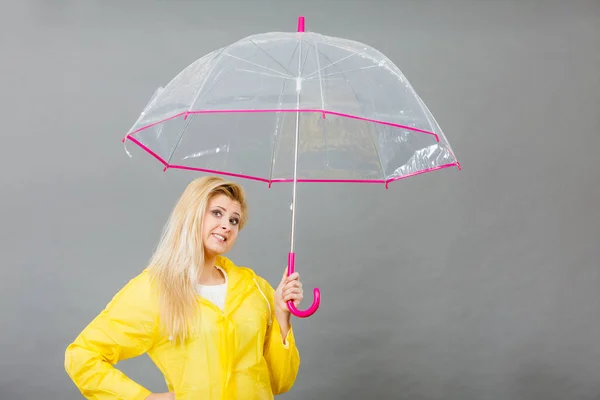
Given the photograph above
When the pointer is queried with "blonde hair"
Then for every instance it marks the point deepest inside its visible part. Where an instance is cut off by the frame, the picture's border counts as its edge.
(179, 256)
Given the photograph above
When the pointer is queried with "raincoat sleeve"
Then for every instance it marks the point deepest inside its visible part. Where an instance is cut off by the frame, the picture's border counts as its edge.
(124, 329)
(282, 356)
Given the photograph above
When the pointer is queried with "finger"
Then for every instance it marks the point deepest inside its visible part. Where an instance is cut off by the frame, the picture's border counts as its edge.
(293, 277)
(292, 291)
(288, 288)
(291, 287)
(292, 284)
(294, 297)
(296, 283)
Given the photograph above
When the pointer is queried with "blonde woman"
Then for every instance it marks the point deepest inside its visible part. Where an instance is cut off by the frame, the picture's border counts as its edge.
(215, 330)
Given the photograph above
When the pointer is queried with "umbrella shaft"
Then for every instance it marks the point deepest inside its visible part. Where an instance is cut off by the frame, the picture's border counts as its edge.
(294, 184)
(298, 90)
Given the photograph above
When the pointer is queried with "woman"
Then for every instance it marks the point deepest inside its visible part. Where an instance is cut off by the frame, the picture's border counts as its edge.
(215, 330)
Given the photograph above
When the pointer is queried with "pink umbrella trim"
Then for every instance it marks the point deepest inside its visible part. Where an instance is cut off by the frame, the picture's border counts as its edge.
(280, 180)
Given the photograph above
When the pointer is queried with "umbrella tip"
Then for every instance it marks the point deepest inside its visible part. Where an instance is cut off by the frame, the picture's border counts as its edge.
(300, 24)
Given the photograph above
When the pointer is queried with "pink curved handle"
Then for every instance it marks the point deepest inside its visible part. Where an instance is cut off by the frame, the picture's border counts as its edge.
(317, 294)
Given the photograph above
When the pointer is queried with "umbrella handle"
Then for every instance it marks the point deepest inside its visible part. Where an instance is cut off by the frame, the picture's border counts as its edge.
(317, 294)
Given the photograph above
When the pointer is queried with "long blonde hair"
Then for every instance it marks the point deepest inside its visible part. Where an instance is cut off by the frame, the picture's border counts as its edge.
(179, 256)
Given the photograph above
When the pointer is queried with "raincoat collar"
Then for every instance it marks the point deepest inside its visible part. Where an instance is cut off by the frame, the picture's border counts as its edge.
(240, 282)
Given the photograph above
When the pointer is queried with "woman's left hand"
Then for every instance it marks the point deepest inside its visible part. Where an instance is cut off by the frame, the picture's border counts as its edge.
(290, 288)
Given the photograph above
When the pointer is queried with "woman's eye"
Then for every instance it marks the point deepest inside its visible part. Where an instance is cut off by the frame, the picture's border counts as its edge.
(217, 213)
(234, 221)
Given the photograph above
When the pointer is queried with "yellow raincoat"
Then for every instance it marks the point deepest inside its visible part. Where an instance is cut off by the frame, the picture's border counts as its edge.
(237, 354)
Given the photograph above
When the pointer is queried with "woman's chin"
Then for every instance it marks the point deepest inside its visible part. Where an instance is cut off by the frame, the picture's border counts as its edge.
(213, 251)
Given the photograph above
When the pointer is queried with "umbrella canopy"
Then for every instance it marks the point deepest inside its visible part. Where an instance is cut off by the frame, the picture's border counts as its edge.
(293, 107)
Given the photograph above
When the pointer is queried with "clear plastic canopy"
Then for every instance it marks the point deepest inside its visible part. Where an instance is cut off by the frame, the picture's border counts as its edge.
(237, 110)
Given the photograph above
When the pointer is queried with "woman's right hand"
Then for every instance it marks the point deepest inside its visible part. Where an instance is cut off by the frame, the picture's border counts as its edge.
(161, 396)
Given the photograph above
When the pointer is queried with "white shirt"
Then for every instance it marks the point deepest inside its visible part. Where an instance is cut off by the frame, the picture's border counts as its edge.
(214, 293)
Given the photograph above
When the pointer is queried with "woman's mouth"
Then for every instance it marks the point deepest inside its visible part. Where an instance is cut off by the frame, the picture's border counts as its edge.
(220, 238)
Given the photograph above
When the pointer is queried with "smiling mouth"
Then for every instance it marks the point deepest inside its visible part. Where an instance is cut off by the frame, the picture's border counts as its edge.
(220, 238)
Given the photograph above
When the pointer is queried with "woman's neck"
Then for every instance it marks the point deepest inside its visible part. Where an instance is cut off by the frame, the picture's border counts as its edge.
(209, 263)
(210, 275)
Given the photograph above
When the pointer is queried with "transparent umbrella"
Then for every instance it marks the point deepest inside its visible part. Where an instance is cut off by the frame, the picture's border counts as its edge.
(293, 107)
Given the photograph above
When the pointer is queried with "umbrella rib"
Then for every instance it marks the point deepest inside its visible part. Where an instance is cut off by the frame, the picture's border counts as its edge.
(305, 58)
(197, 95)
(210, 71)
(317, 52)
(260, 66)
(277, 119)
(397, 73)
(271, 57)
(174, 148)
(218, 79)
(263, 73)
(332, 64)
(370, 135)
(276, 135)
(346, 71)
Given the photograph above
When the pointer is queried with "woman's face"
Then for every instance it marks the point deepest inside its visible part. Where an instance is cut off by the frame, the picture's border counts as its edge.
(221, 225)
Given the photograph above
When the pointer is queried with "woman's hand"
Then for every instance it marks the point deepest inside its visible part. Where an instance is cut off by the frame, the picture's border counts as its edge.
(161, 396)
(290, 288)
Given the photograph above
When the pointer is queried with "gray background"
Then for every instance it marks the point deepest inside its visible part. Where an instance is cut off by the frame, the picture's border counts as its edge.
(473, 284)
